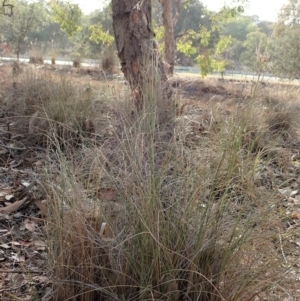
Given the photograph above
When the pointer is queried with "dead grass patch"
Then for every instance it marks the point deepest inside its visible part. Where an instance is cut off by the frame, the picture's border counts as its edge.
(179, 211)
(41, 105)
(179, 225)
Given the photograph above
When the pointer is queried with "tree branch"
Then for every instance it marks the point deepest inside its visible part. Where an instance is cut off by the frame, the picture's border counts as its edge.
(178, 7)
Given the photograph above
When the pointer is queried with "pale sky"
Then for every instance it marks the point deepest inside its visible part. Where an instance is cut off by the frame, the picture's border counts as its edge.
(266, 9)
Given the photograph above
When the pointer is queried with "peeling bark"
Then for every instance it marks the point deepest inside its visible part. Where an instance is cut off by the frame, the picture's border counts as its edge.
(137, 51)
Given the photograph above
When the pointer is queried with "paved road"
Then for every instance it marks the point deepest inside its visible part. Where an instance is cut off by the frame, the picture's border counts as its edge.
(85, 63)
(186, 71)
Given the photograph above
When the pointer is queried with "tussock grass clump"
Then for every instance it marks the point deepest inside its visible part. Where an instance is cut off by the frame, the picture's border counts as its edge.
(16, 68)
(280, 121)
(157, 220)
(76, 63)
(44, 105)
(53, 56)
(36, 59)
(108, 61)
(76, 59)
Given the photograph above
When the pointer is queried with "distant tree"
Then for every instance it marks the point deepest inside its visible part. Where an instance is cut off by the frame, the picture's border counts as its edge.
(207, 44)
(48, 36)
(192, 18)
(233, 53)
(98, 31)
(286, 54)
(99, 35)
(100, 27)
(24, 19)
(266, 27)
(67, 15)
(193, 14)
(239, 27)
(289, 15)
(245, 44)
(286, 49)
(256, 56)
(192, 26)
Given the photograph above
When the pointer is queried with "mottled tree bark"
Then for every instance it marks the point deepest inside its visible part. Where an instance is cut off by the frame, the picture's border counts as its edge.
(137, 51)
(167, 15)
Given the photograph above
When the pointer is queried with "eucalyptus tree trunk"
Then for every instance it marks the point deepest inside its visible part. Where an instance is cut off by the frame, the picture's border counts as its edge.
(139, 57)
(167, 16)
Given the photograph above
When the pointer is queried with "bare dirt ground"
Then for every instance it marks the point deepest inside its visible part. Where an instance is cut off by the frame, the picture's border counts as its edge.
(24, 272)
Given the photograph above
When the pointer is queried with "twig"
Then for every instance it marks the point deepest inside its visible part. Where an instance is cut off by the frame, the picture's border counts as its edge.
(22, 271)
(12, 147)
(282, 252)
(24, 191)
(10, 288)
(293, 227)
